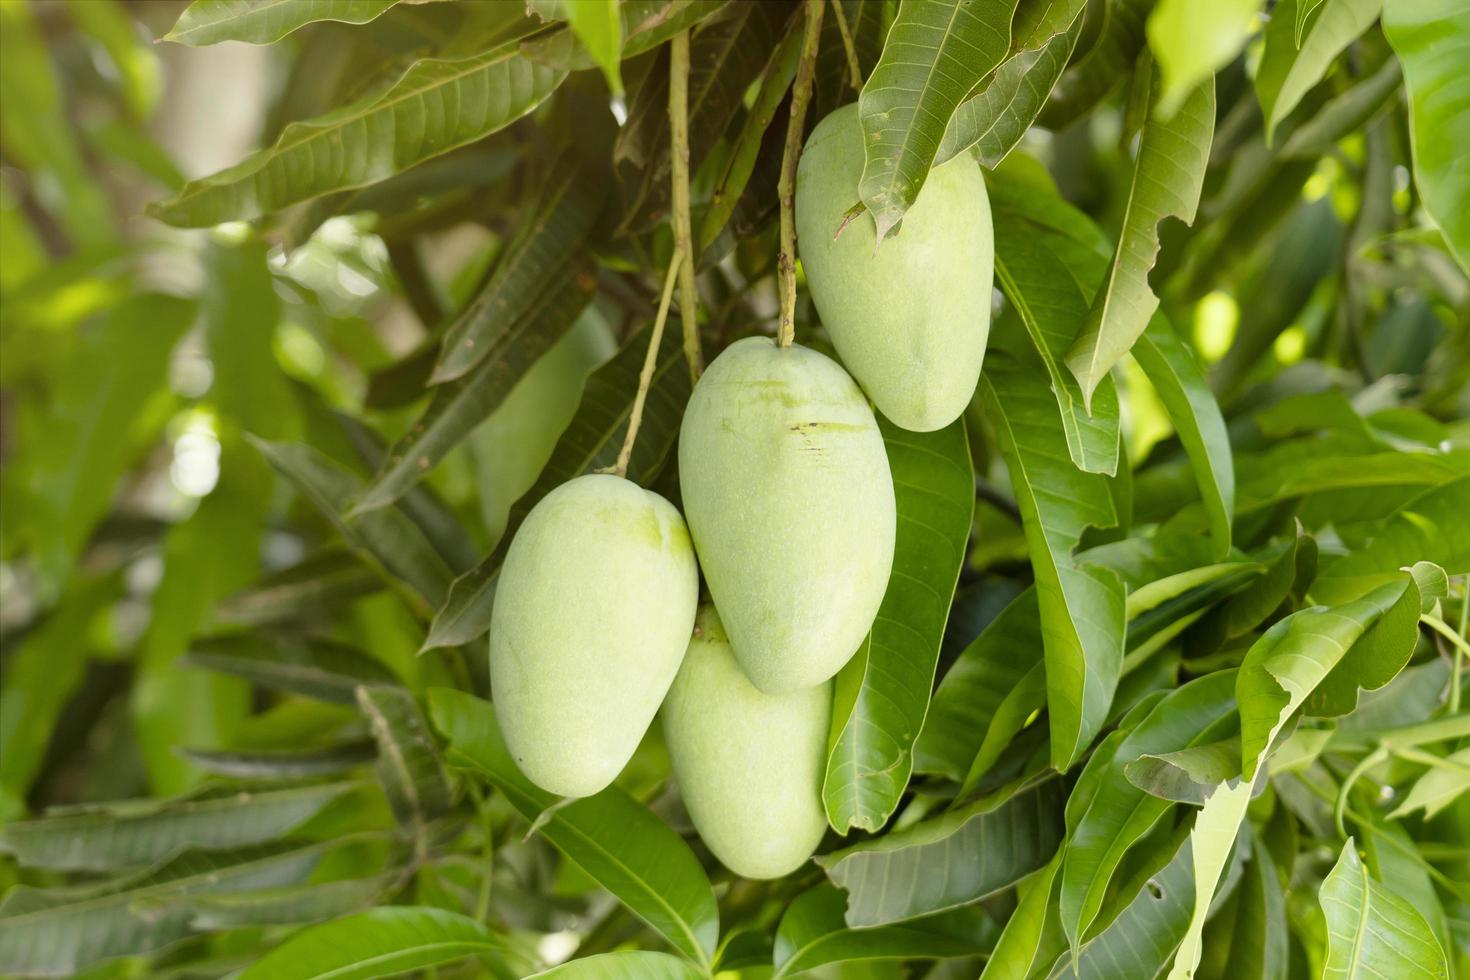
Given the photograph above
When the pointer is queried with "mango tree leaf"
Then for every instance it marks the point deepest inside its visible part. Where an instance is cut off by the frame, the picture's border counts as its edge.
(726, 56)
(628, 964)
(1371, 932)
(1434, 526)
(321, 579)
(1144, 935)
(1444, 783)
(1432, 40)
(813, 934)
(58, 932)
(1191, 41)
(1287, 663)
(613, 838)
(286, 906)
(1345, 113)
(284, 764)
(1381, 652)
(1049, 305)
(134, 833)
(949, 861)
(312, 666)
(1116, 42)
(935, 54)
(386, 538)
(409, 766)
(1167, 178)
(39, 679)
(591, 441)
(537, 260)
(1120, 813)
(1211, 839)
(1186, 775)
(1032, 937)
(1287, 71)
(459, 406)
(735, 174)
(374, 943)
(82, 444)
(598, 26)
(972, 695)
(645, 25)
(994, 118)
(1247, 940)
(438, 105)
(1082, 606)
(883, 694)
(264, 21)
(1176, 376)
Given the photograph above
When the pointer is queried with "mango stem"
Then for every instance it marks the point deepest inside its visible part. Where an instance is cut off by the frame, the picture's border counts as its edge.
(645, 376)
(854, 67)
(683, 237)
(801, 95)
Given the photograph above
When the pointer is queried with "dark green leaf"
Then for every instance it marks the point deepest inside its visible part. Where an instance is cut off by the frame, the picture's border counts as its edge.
(315, 667)
(949, 861)
(125, 835)
(386, 537)
(1082, 607)
(409, 766)
(332, 575)
(623, 846)
(883, 694)
(437, 105)
(813, 934)
(375, 943)
(591, 441)
(1115, 43)
(287, 764)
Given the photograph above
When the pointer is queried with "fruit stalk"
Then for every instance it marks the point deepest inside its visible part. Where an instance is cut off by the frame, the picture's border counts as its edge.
(801, 94)
(645, 376)
(683, 237)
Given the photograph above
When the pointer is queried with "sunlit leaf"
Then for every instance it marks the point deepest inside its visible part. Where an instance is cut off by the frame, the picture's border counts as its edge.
(1288, 69)
(1371, 932)
(1191, 41)
(264, 21)
(1167, 177)
(628, 964)
(935, 53)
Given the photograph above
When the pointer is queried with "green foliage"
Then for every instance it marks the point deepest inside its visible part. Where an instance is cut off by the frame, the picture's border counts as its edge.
(1169, 676)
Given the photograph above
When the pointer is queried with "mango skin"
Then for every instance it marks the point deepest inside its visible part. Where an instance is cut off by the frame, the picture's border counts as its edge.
(749, 765)
(910, 317)
(789, 499)
(592, 615)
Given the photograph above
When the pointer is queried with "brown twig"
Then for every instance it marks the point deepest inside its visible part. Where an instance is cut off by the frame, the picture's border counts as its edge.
(645, 376)
(854, 67)
(683, 237)
(801, 95)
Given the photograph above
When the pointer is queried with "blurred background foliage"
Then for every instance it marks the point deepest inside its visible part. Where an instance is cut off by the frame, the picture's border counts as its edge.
(156, 381)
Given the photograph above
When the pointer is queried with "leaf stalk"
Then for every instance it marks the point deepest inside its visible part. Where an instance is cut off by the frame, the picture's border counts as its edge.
(801, 96)
(683, 237)
(645, 376)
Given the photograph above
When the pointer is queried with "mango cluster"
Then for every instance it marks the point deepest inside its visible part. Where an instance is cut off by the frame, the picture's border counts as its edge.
(790, 515)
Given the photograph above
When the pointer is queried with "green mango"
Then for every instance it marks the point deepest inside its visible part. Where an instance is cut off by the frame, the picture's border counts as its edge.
(592, 614)
(749, 764)
(910, 317)
(511, 447)
(790, 502)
